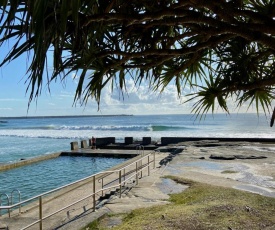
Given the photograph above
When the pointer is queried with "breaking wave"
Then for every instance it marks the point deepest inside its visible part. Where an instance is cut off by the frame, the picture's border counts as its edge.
(108, 127)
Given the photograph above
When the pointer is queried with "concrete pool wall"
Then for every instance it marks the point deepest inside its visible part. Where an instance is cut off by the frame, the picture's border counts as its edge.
(110, 143)
(28, 161)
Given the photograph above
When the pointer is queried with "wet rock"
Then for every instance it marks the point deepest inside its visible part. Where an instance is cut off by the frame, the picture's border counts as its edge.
(172, 149)
(3, 226)
(232, 157)
(179, 150)
(203, 150)
(249, 157)
(222, 157)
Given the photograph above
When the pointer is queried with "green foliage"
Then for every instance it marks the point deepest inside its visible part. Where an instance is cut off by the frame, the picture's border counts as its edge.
(208, 95)
(219, 50)
(92, 226)
(203, 206)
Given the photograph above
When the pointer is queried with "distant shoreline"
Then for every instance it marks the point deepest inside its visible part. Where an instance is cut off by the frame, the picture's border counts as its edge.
(65, 116)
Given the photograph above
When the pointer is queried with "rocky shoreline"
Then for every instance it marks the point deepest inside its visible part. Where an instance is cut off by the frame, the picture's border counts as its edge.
(242, 165)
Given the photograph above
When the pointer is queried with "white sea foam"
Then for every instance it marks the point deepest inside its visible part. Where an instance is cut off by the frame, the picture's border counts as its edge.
(116, 132)
(36, 136)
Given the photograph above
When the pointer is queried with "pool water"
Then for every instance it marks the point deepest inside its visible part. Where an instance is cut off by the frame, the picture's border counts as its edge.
(40, 177)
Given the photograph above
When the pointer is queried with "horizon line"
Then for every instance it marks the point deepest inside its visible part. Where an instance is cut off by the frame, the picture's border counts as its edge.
(63, 116)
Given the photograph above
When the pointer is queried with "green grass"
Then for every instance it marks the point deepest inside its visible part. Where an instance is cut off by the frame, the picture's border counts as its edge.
(92, 225)
(202, 206)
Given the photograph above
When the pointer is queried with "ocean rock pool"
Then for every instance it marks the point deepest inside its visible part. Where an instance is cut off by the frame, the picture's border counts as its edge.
(34, 179)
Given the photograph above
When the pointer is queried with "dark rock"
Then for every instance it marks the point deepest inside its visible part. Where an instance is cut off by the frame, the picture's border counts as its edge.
(178, 150)
(172, 149)
(232, 157)
(249, 157)
(222, 157)
(203, 150)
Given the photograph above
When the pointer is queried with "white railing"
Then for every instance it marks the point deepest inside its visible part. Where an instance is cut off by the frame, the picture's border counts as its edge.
(108, 180)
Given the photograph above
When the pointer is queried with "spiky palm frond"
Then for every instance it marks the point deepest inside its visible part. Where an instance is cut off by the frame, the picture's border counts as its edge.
(262, 98)
(223, 48)
(208, 95)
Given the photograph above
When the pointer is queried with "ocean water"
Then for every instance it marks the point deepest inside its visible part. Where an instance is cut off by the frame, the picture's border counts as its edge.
(30, 137)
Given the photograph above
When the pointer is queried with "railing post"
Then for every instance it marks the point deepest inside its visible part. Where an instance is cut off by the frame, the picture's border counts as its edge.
(138, 150)
(8, 199)
(141, 168)
(40, 213)
(94, 193)
(120, 187)
(124, 176)
(136, 172)
(102, 186)
(19, 198)
(148, 165)
(154, 165)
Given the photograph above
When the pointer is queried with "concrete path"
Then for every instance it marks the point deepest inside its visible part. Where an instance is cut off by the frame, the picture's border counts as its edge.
(145, 194)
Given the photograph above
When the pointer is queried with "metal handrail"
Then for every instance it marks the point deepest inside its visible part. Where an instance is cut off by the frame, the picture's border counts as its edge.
(19, 197)
(137, 170)
(88, 196)
(140, 150)
(126, 165)
(10, 200)
(7, 206)
(67, 185)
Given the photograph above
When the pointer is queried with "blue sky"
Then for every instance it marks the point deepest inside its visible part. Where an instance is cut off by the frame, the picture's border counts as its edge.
(14, 98)
(59, 102)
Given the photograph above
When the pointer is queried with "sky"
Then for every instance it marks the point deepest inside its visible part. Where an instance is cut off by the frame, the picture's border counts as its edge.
(60, 100)
(14, 98)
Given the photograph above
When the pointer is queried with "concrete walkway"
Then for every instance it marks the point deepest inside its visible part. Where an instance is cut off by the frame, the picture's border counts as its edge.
(145, 194)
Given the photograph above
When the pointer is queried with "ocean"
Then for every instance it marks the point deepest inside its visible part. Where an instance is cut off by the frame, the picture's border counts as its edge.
(27, 137)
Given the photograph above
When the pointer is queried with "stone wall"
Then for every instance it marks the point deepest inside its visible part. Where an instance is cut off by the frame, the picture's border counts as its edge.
(175, 140)
(105, 141)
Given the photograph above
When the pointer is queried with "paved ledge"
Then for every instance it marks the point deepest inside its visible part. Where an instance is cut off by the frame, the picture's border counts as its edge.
(28, 161)
(117, 151)
(104, 153)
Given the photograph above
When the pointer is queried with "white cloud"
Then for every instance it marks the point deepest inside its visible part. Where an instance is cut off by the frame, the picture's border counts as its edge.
(135, 100)
(66, 94)
(141, 100)
(11, 99)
